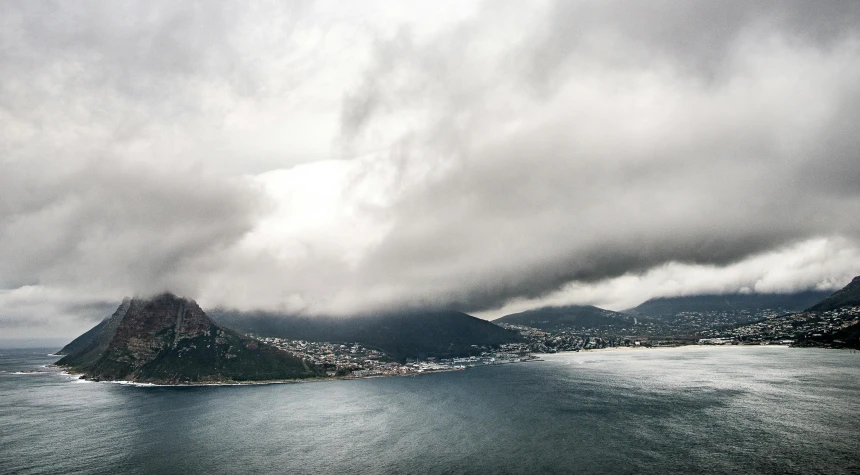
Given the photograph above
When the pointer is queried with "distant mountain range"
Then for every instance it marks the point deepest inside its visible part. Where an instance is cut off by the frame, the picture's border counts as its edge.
(666, 308)
(402, 335)
(672, 311)
(571, 317)
(170, 340)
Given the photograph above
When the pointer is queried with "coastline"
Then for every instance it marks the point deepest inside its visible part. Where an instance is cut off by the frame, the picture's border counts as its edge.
(52, 369)
(715, 347)
(621, 348)
(694, 345)
(81, 377)
(63, 371)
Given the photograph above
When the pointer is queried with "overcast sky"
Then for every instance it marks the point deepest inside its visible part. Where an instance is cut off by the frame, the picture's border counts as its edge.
(337, 157)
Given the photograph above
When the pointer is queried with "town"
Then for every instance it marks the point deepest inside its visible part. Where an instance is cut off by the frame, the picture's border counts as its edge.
(353, 360)
(766, 327)
(800, 329)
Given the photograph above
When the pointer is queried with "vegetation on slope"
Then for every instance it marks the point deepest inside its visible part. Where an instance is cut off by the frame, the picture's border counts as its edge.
(171, 340)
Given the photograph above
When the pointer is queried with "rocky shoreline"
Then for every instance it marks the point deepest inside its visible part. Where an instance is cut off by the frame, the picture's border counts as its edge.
(81, 376)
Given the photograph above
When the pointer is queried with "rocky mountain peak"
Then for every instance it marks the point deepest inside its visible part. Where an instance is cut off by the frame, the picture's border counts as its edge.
(170, 339)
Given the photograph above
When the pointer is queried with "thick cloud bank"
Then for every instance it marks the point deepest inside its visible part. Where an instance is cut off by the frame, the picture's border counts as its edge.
(332, 159)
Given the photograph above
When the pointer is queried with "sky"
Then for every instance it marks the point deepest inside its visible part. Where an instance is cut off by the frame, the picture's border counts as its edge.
(344, 157)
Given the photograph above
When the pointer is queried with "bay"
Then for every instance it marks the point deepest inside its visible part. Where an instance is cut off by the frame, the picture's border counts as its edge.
(681, 410)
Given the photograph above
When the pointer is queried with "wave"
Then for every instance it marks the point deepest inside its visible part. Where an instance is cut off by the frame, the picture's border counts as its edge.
(74, 377)
(134, 383)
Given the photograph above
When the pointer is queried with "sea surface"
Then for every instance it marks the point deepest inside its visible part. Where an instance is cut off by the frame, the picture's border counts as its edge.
(683, 410)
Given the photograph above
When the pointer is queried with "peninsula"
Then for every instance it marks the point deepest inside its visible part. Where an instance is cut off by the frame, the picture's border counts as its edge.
(170, 340)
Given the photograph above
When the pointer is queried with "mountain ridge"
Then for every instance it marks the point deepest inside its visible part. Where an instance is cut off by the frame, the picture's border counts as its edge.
(667, 307)
(568, 317)
(844, 297)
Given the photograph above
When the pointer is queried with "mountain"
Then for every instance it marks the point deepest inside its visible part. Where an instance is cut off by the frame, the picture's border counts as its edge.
(848, 296)
(170, 340)
(668, 308)
(570, 317)
(404, 334)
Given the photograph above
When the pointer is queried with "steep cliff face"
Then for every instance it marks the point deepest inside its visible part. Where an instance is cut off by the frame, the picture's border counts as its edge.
(168, 339)
(156, 325)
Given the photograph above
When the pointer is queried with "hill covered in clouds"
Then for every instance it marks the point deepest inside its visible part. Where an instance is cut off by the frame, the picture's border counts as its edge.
(405, 334)
(170, 340)
(845, 297)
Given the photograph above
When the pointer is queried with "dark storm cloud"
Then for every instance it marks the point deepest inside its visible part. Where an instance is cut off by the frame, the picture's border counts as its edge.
(687, 132)
(493, 155)
(112, 154)
(120, 124)
(696, 36)
(126, 228)
(144, 50)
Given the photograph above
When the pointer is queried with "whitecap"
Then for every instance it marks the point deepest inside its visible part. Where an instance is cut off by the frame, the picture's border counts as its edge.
(70, 375)
(134, 383)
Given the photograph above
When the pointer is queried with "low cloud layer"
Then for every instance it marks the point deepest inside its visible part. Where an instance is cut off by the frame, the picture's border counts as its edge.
(485, 157)
(819, 264)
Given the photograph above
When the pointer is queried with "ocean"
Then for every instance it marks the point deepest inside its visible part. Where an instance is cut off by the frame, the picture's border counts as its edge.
(681, 410)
